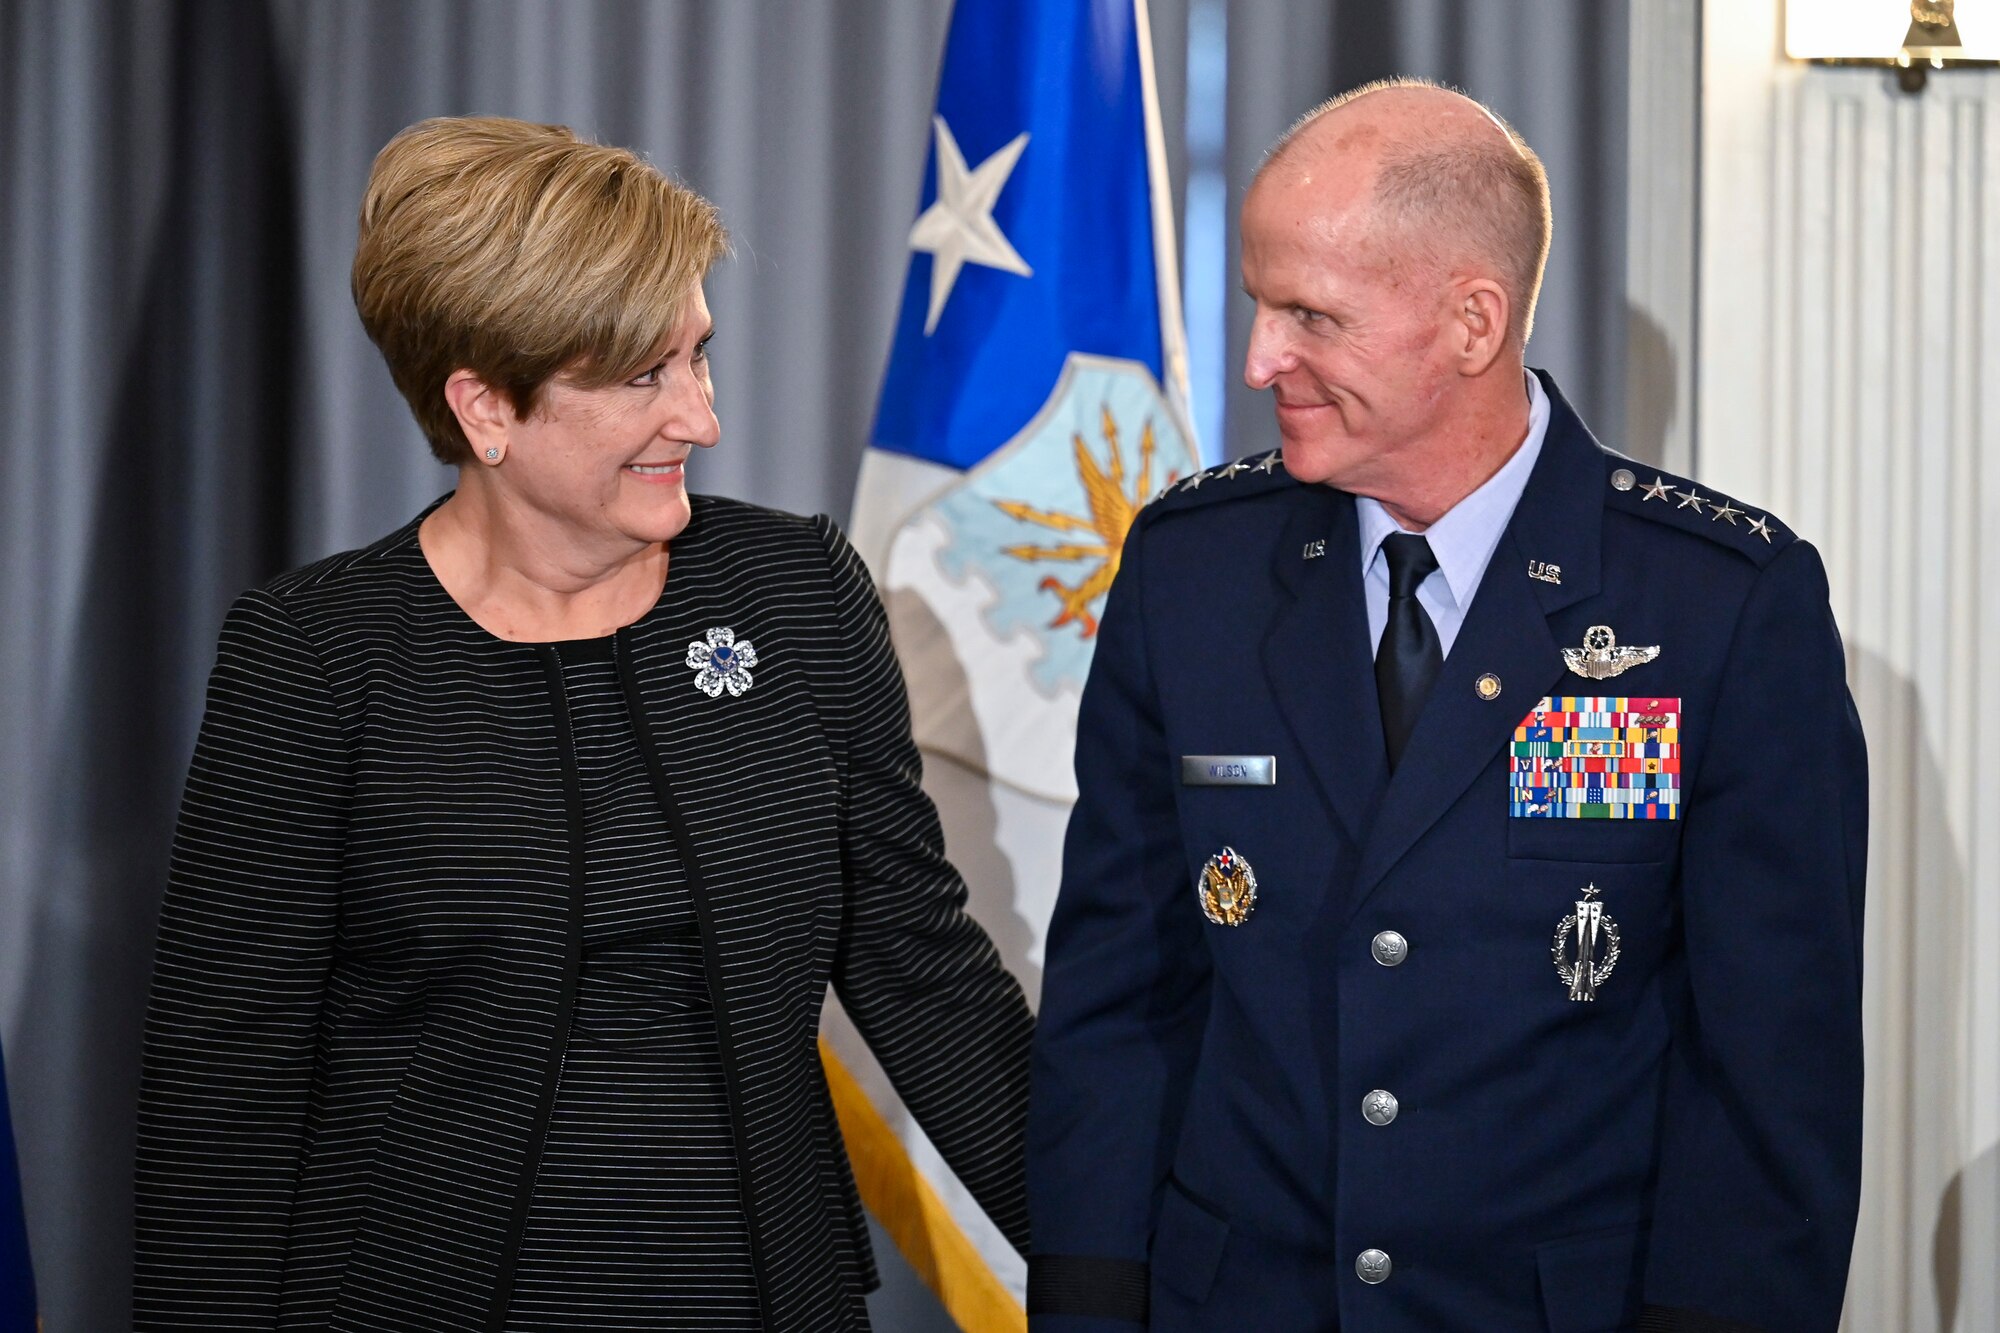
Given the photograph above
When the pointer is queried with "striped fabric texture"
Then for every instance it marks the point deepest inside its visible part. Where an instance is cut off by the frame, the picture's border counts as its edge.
(637, 1216)
(375, 936)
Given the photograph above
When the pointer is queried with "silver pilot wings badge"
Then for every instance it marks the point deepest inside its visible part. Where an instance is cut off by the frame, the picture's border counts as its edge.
(1601, 658)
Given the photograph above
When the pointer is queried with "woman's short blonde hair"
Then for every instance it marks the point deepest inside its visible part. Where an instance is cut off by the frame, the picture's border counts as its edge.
(520, 252)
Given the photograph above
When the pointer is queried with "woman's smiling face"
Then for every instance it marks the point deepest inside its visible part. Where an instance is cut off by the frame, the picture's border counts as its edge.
(610, 462)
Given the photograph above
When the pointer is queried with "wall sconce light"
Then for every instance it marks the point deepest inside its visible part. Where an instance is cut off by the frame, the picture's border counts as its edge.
(1912, 36)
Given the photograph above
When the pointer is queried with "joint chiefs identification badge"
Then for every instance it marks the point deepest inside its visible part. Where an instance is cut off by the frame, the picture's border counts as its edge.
(1227, 887)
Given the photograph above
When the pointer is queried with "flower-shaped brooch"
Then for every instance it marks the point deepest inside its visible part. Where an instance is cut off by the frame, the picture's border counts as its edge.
(721, 663)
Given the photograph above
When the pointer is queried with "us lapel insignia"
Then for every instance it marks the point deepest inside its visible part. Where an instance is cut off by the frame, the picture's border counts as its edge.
(1228, 888)
(1586, 947)
(721, 662)
(1601, 658)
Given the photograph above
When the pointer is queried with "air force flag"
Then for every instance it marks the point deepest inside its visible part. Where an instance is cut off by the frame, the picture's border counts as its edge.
(1035, 391)
(1034, 401)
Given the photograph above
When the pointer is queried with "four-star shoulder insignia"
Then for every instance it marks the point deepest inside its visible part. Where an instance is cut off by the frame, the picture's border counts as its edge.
(1757, 536)
(1242, 476)
(1761, 536)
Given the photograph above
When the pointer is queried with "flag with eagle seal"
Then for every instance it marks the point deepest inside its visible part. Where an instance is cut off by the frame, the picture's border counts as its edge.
(1035, 399)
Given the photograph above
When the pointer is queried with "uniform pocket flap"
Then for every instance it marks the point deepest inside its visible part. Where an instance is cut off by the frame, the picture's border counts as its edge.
(1590, 1283)
(1618, 840)
(1187, 1245)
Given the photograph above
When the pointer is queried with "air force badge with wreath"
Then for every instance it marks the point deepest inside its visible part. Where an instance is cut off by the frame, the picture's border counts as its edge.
(1227, 887)
(1586, 947)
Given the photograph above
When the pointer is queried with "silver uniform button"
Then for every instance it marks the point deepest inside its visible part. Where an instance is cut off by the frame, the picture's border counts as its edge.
(1379, 1107)
(1389, 948)
(1622, 479)
(1373, 1267)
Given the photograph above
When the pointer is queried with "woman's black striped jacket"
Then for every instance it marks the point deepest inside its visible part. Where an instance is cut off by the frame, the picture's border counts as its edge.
(371, 937)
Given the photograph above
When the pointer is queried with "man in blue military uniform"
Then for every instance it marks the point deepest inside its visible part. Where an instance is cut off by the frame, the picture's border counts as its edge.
(1460, 921)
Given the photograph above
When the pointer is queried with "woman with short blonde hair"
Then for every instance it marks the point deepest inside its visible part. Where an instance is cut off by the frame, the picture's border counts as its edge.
(520, 847)
(518, 251)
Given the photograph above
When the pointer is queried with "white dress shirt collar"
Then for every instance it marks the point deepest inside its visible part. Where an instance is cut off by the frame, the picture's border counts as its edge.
(1464, 538)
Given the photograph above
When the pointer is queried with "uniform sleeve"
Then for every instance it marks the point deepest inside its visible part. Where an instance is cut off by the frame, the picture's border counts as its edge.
(1124, 998)
(923, 983)
(1760, 1164)
(245, 941)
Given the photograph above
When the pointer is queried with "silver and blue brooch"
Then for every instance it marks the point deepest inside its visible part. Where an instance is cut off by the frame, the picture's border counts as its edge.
(722, 662)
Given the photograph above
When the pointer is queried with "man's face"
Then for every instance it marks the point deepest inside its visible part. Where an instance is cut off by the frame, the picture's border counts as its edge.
(1349, 335)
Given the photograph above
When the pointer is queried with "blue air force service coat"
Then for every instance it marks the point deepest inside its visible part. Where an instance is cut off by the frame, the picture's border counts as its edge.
(1317, 1048)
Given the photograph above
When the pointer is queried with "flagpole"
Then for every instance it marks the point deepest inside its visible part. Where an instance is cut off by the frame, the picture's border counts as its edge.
(1166, 253)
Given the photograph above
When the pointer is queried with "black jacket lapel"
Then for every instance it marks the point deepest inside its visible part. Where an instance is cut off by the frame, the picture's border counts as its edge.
(1506, 634)
(1318, 640)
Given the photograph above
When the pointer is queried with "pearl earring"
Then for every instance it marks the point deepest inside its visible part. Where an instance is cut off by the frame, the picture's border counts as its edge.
(492, 453)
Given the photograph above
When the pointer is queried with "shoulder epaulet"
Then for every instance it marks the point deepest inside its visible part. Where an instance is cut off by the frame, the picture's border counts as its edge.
(1679, 503)
(1235, 480)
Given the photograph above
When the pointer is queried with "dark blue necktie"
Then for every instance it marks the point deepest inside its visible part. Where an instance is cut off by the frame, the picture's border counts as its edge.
(1408, 658)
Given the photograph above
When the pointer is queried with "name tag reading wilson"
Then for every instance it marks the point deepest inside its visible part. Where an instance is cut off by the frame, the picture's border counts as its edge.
(1229, 770)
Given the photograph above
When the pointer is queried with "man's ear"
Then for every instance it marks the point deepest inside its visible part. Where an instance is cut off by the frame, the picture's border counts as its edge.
(484, 414)
(1482, 313)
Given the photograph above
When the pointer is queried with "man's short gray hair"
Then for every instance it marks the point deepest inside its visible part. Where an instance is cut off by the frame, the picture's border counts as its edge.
(1483, 198)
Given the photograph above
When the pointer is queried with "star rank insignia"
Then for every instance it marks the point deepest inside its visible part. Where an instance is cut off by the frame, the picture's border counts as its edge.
(1220, 474)
(1678, 494)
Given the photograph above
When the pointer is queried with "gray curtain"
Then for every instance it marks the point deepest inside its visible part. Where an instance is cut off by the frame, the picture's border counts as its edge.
(188, 404)
(1555, 69)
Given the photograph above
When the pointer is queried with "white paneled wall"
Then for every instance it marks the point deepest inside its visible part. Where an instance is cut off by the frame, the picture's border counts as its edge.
(1662, 146)
(1848, 330)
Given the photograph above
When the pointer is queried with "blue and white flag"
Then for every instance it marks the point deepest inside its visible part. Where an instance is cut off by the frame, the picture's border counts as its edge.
(1034, 401)
(17, 1279)
(1036, 390)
